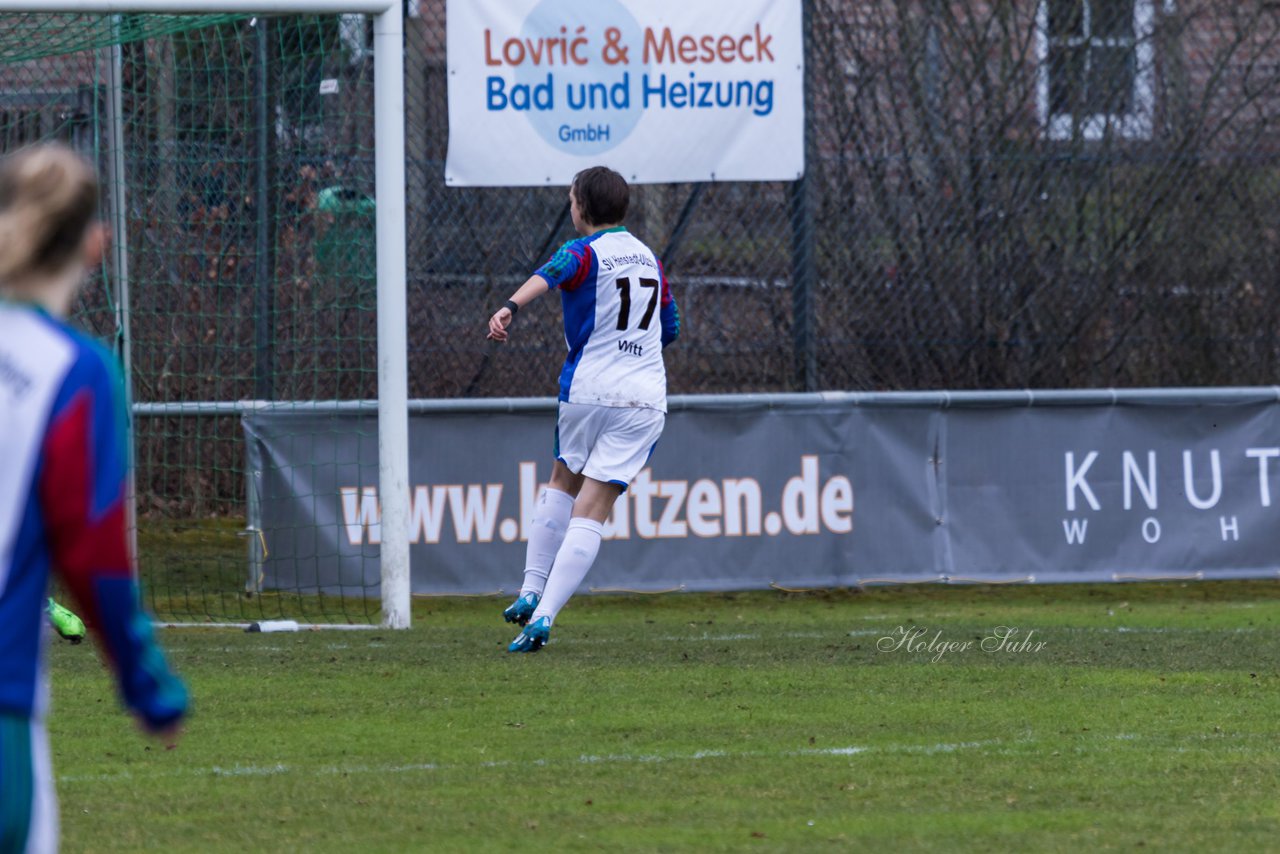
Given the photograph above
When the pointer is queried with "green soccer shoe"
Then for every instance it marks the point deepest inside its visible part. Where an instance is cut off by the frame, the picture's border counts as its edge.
(64, 622)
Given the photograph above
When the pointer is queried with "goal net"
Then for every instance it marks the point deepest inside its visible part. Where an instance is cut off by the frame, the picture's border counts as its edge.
(238, 161)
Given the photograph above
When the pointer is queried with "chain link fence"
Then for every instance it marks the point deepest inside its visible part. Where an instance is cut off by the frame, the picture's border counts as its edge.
(998, 195)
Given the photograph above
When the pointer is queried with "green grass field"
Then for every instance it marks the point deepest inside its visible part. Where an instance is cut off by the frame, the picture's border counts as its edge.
(763, 721)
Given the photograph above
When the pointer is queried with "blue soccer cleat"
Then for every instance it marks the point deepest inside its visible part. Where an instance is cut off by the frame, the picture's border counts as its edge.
(521, 610)
(534, 636)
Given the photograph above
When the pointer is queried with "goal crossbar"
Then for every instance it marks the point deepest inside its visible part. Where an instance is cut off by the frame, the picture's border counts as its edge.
(201, 7)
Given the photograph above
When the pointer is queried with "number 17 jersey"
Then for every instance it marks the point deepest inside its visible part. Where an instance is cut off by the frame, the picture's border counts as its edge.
(618, 315)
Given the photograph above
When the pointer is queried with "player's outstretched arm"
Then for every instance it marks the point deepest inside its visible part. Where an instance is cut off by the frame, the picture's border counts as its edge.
(669, 315)
(533, 288)
(82, 496)
(670, 318)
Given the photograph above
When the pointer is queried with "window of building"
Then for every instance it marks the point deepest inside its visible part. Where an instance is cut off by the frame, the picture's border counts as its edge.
(1096, 68)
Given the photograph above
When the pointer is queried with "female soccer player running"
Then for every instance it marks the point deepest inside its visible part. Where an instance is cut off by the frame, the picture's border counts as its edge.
(618, 315)
(62, 440)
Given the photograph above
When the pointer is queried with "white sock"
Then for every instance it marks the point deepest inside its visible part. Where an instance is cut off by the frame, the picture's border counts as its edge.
(550, 520)
(577, 553)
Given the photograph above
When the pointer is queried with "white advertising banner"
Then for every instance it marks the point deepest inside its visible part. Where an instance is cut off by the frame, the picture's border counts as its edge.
(660, 90)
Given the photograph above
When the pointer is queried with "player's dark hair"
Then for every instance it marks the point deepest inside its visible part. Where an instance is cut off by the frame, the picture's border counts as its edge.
(48, 199)
(603, 195)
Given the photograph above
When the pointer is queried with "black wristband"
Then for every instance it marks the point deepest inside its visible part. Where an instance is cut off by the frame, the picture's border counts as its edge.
(511, 306)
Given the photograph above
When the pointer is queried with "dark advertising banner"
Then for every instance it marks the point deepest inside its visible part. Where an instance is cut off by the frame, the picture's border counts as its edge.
(1114, 492)
(797, 491)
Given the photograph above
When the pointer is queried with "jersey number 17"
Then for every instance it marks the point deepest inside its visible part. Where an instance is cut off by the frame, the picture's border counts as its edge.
(624, 293)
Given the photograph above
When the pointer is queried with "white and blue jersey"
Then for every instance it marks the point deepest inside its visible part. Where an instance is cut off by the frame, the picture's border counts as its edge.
(62, 508)
(618, 315)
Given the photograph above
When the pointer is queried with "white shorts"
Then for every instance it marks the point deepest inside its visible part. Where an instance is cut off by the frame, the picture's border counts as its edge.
(607, 443)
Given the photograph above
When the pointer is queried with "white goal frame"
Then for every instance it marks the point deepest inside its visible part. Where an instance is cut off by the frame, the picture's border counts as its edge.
(389, 177)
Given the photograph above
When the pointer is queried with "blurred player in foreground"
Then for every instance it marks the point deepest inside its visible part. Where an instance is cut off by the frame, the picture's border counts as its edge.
(62, 440)
(618, 315)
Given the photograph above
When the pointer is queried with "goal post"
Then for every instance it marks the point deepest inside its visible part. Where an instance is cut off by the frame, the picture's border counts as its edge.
(389, 192)
(393, 371)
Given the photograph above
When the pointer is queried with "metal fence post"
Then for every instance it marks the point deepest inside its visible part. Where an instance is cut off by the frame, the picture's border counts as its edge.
(263, 302)
(117, 204)
(119, 213)
(803, 262)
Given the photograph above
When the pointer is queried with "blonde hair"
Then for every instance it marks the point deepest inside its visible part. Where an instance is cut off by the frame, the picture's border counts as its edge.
(48, 200)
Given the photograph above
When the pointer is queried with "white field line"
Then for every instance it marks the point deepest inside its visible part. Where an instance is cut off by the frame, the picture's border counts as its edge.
(585, 759)
(994, 747)
(1164, 630)
(707, 637)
